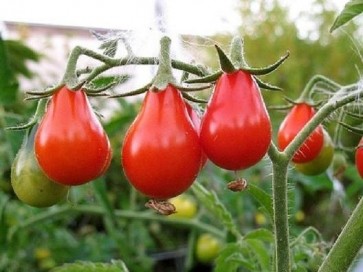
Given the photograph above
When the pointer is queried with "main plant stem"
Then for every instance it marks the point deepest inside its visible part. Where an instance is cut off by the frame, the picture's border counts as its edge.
(347, 245)
(280, 209)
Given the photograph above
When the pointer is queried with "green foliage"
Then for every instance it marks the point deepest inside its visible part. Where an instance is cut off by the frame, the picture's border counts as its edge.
(114, 266)
(351, 9)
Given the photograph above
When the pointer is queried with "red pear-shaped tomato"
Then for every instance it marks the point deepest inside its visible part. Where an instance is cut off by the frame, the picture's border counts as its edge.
(70, 145)
(294, 121)
(196, 120)
(359, 158)
(236, 129)
(161, 154)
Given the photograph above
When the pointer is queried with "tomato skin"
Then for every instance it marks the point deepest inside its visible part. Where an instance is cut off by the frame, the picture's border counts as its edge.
(359, 158)
(196, 120)
(321, 162)
(207, 248)
(70, 145)
(185, 207)
(161, 154)
(294, 121)
(29, 182)
(236, 128)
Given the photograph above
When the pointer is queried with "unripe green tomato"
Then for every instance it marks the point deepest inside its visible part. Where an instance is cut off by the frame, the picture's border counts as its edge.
(207, 248)
(185, 206)
(29, 182)
(340, 164)
(321, 162)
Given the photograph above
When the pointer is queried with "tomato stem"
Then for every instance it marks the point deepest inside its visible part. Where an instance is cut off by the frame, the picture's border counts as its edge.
(66, 210)
(347, 245)
(164, 75)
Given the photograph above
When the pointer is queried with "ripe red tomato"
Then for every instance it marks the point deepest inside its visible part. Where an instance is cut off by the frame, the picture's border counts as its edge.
(295, 120)
(236, 129)
(196, 120)
(359, 158)
(71, 146)
(161, 154)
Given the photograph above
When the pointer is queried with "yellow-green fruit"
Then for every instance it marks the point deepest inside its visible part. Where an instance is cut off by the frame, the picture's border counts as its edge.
(321, 162)
(185, 206)
(207, 248)
(29, 182)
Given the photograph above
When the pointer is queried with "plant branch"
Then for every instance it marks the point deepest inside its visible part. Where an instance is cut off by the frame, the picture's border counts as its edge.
(347, 245)
(97, 210)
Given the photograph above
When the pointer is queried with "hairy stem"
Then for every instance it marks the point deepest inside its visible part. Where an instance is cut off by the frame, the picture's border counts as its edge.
(280, 209)
(347, 245)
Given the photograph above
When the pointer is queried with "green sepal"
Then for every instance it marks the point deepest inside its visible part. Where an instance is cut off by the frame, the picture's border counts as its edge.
(207, 79)
(39, 112)
(131, 93)
(192, 98)
(268, 69)
(224, 61)
(266, 86)
(355, 130)
(192, 89)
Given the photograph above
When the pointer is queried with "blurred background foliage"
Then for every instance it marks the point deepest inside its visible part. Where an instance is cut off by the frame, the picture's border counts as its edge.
(86, 227)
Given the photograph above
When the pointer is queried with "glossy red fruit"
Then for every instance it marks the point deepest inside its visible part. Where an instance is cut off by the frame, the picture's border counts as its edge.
(196, 120)
(70, 145)
(161, 154)
(359, 158)
(236, 129)
(294, 121)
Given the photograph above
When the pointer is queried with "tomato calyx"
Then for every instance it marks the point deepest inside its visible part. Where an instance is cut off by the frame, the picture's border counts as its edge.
(237, 62)
(238, 185)
(162, 207)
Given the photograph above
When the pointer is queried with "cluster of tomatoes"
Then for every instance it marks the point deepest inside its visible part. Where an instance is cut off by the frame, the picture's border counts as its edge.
(167, 144)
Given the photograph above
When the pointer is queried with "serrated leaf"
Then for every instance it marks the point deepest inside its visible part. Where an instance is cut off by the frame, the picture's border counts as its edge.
(81, 266)
(102, 81)
(231, 258)
(351, 9)
(262, 197)
(211, 201)
(260, 234)
(260, 253)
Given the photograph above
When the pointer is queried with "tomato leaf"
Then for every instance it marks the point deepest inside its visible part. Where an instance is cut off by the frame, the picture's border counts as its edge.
(351, 9)
(114, 266)
(211, 201)
(261, 253)
(232, 257)
(262, 197)
(260, 234)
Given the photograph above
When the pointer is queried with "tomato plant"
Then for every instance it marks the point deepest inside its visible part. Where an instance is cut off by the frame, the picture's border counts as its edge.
(235, 129)
(161, 154)
(185, 206)
(29, 182)
(359, 158)
(321, 162)
(207, 248)
(295, 120)
(70, 144)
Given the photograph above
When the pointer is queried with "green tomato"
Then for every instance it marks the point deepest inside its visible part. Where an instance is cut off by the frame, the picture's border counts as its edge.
(29, 182)
(185, 206)
(207, 248)
(321, 162)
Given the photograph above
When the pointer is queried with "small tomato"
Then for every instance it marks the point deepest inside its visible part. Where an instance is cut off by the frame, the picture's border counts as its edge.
(207, 248)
